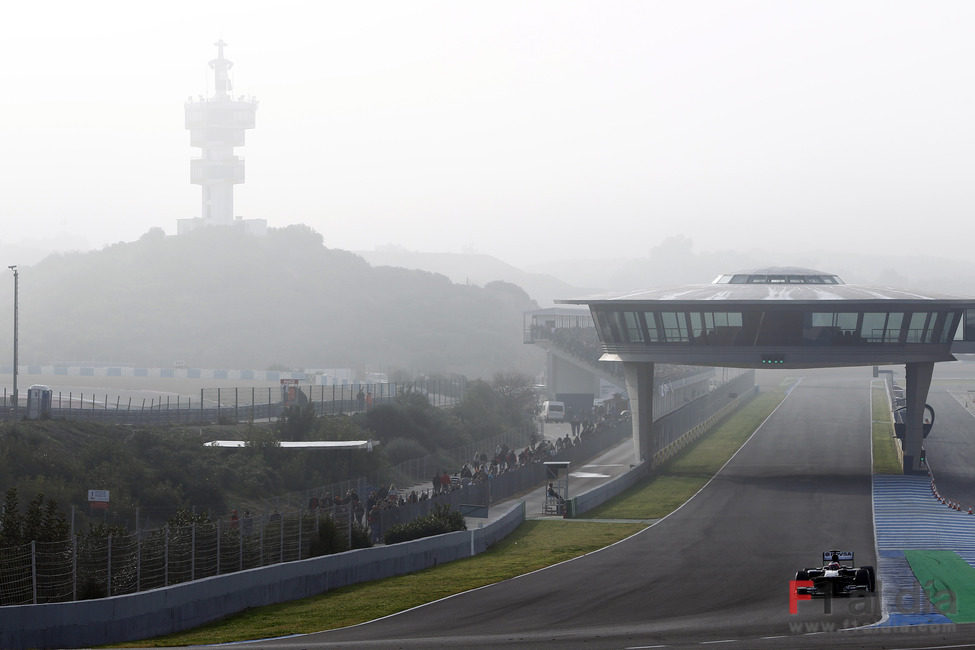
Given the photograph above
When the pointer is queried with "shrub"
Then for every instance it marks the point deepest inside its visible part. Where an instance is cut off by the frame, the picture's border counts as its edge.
(441, 520)
(329, 539)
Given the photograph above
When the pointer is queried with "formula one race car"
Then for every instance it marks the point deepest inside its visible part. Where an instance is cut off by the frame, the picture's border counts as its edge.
(835, 578)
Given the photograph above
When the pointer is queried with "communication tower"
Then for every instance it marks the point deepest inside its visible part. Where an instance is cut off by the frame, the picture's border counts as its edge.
(217, 124)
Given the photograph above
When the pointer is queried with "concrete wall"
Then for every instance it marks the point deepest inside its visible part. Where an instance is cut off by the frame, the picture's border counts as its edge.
(600, 495)
(597, 496)
(187, 605)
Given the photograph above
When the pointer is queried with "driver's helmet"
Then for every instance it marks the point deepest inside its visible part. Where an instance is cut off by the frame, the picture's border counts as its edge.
(833, 566)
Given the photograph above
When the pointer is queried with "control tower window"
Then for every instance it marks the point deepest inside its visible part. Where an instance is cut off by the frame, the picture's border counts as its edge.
(917, 327)
(945, 320)
(653, 327)
(609, 330)
(830, 328)
(775, 278)
(675, 326)
(872, 329)
(970, 324)
(634, 331)
(895, 325)
(715, 328)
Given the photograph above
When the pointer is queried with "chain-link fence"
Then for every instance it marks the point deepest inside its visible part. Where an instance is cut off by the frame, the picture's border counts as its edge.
(97, 566)
(235, 404)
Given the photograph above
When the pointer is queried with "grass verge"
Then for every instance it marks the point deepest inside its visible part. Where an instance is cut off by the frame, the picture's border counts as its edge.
(683, 476)
(885, 457)
(534, 545)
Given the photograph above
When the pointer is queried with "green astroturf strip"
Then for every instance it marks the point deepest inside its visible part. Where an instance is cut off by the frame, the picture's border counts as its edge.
(948, 581)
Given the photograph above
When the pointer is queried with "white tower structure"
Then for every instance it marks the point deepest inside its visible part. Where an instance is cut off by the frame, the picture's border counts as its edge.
(217, 125)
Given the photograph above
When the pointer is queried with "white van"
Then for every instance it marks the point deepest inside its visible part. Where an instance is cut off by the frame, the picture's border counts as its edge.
(553, 411)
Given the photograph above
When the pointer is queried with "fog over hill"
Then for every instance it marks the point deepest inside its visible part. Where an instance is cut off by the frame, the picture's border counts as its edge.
(478, 269)
(217, 298)
(676, 261)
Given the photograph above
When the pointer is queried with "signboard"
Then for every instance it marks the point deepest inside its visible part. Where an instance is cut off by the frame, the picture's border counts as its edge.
(289, 391)
(98, 499)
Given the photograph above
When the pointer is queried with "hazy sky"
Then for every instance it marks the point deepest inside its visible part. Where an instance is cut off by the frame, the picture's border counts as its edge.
(526, 130)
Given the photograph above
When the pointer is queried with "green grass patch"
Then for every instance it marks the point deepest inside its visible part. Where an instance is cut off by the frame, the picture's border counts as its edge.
(948, 581)
(885, 457)
(534, 545)
(678, 480)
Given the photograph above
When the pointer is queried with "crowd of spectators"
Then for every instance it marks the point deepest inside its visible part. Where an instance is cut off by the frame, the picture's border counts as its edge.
(480, 468)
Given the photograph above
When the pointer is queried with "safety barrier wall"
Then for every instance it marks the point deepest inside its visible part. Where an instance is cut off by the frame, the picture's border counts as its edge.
(187, 605)
(672, 431)
(586, 501)
(703, 426)
(895, 399)
(599, 495)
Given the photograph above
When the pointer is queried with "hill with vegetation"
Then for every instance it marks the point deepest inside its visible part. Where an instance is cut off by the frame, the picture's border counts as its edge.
(218, 298)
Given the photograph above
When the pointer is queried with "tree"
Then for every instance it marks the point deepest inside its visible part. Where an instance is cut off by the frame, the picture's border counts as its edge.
(298, 422)
(33, 519)
(11, 523)
(518, 397)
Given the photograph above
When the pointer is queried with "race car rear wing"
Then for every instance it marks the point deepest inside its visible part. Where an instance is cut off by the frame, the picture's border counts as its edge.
(838, 556)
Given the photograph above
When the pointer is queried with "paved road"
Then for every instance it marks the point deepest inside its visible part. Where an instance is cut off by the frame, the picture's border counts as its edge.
(715, 570)
(950, 448)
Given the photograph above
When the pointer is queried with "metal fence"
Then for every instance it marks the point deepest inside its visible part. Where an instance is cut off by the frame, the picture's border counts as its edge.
(89, 566)
(235, 404)
(676, 423)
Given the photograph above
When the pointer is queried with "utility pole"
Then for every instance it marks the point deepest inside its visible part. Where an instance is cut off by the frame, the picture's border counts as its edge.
(13, 267)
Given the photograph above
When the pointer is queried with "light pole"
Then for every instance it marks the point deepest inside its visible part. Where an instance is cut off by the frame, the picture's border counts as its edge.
(13, 267)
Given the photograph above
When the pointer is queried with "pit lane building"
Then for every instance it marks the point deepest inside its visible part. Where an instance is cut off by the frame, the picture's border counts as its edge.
(781, 317)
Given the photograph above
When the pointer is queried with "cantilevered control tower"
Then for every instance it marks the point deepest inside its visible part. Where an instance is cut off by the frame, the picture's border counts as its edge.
(781, 317)
(217, 125)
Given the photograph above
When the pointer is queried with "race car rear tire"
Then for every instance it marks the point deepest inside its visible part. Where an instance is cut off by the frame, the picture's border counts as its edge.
(872, 576)
(865, 577)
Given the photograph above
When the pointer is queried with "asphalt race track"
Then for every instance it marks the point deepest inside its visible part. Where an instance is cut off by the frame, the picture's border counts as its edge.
(950, 452)
(714, 572)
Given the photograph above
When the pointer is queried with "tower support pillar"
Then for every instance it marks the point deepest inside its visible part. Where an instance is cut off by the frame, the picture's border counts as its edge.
(916, 394)
(639, 387)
